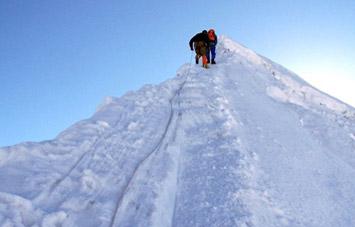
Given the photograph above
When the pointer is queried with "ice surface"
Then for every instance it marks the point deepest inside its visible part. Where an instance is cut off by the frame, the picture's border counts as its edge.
(244, 143)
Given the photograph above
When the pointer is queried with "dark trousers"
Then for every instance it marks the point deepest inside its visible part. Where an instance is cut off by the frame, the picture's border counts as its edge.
(211, 52)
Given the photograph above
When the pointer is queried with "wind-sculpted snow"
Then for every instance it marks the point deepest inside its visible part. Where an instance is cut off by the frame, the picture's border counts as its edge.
(244, 143)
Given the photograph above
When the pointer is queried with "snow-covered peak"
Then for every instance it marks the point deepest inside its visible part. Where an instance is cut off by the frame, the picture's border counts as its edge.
(291, 88)
(243, 143)
(227, 44)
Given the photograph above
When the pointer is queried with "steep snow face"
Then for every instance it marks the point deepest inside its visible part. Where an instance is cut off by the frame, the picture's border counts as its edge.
(244, 143)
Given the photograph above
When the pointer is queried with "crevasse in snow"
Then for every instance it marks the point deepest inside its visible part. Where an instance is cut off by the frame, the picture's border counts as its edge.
(244, 143)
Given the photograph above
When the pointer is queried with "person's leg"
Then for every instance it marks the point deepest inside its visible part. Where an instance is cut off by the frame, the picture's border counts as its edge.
(213, 53)
(208, 54)
(204, 57)
(204, 61)
(197, 51)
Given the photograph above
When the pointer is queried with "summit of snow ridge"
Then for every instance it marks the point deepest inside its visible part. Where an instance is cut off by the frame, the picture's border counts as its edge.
(227, 44)
(279, 83)
(284, 86)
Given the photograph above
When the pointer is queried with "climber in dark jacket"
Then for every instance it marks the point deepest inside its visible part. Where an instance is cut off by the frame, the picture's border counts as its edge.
(201, 42)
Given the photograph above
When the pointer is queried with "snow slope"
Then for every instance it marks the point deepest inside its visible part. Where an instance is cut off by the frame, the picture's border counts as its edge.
(244, 143)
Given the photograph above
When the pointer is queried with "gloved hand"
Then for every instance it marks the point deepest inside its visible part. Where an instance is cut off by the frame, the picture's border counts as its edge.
(192, 49)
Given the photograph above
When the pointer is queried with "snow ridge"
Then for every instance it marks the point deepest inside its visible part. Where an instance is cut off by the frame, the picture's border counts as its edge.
(160, 143)
(244, 143)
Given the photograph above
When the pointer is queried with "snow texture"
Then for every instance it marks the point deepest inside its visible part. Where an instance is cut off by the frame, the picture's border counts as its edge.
(244, 143)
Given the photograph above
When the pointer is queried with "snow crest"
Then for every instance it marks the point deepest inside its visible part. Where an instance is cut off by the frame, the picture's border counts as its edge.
(244, 143)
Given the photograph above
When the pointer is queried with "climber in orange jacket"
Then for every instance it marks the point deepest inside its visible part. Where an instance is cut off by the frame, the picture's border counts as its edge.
(211, 51)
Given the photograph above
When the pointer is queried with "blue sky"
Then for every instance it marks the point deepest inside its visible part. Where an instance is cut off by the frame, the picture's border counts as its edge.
(59, 59)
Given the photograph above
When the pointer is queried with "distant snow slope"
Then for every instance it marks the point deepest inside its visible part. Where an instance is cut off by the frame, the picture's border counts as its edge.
(244, 143)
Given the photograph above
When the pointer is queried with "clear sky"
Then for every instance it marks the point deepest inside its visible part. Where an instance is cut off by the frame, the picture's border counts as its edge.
(59, 59)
